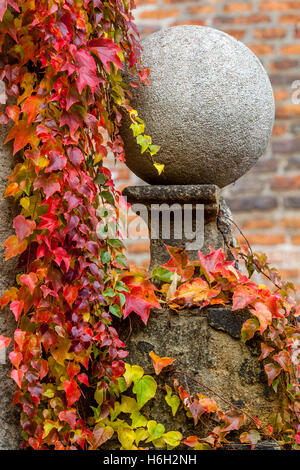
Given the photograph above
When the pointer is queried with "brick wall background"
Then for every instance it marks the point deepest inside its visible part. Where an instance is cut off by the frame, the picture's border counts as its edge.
(266, 201)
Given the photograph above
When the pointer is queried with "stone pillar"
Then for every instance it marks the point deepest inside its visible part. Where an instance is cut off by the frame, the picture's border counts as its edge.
(210, 107)
(10, 430)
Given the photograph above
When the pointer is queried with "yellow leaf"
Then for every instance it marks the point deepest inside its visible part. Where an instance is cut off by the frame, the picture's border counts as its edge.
(128, 404)
(132, 374)
(160, 167)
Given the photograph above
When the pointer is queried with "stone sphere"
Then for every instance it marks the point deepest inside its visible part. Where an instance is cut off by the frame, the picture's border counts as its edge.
(210, 106)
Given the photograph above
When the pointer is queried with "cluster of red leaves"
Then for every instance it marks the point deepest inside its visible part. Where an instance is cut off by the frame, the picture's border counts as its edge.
(274, 318)
(61, 65)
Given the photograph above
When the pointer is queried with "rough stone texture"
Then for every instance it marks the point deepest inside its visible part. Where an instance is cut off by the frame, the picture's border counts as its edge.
(210, 106)
(217, 230)
(10, 432)
(206, 346)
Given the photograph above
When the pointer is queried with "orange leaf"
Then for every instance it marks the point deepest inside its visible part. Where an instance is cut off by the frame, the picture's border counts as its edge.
(23, 135)
(264, 315)
(14, 247)
(31, 106)
(160, 362)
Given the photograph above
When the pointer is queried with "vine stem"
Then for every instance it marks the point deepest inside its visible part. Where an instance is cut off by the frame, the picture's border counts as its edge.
(186, 376)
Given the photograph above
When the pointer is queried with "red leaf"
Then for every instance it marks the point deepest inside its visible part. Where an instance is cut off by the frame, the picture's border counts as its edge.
(179, 263)
(242, 297)
(73, 369)
(86, 70)
(272, 370)
(49, 222)
(191, 441)
(23, 227)
(83, 378)
(107, 51)
(31, 106)
(72, 119)
(69, 416)
(70, 293)
(50, 184)
(30, 280)
(3, 7)
(22, 135)
(57, 161)
(160, 362)
(234, 419)
(264, 315)
(15, 358)
(75, 155)
(61, 255)
(4, 342)
(17, 375)
(72, 391)
(13, 247)
(283, 358)
(16, 307)
(265, 351)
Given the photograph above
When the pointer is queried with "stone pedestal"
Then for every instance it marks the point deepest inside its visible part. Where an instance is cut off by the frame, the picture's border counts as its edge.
(192, 217)
(206, 344)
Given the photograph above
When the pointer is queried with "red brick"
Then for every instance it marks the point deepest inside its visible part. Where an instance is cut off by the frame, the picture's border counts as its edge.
(292, 19)
(290, 223)
(192, 22)
(279, 129)
(202, 9)
(283, 64)
(286, 182)
(289, 273)
(158, 14)
(297, 33)
(249, 19)
(261, 49)
(255, 224)
(290, 49)
(273, 5)
(145, 2)
(236, 33)
(266, 239)
(295, 239)
(288, 111)
(270, 33)
(281, 95)
(234, 7)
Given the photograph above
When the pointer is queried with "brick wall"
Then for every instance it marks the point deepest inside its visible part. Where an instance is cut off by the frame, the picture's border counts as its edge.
(266, 201)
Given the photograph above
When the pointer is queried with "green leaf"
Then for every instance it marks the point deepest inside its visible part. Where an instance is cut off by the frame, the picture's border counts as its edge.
(121, 287)
(115, 310)
(122, 299)
(109, 292)
(138, 420)
(144, 141)
(163, 274)
(155, 430)
(172, 438)
(132, 374)
(115, 242)
(108, 197)
(105, 257)
(172, 400)
(145, 389)
(121, 260)
(100, 178)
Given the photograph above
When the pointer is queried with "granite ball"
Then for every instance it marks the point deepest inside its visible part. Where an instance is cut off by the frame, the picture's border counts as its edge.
(210, 106)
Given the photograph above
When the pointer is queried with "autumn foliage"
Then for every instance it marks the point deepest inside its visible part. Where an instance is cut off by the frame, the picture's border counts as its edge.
(61, 64)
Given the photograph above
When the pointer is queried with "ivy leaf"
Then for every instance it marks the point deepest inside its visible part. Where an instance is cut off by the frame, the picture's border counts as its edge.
(126, 436)
(72, 119)
(132, 374)
(107, 51)
(14, 247)
(272, 370)
(160, 167)
(70, 293)
(172, 400)
(50, 184)
(30, 280)
(57, 161)
(265, 351)
(138, 420)
(155, 430)
(144, 141)
(75, 155)
(86, 70)
(145, 389)
(22, 135)
(17, 375)
(101, 435)
(234, 419)
(263, 314)
(284, 360)
(242, 297)
(251, 437)
(23, 227)
(3, 7)
(160, 362)
(69, 416)
(31, 106)
(249, 329)
(179, 262)
(172, 438)
(4, 342)
(72, 391)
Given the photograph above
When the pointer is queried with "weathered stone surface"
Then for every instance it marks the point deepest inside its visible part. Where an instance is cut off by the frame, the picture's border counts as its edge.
(172, 202)
(210, 106)
(10, 431)
(207, 350)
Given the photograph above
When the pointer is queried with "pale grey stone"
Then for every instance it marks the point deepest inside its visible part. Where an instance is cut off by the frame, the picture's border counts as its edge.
(210, 107)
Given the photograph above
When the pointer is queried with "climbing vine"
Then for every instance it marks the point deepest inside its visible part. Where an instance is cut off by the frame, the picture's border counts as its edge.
(61, 64)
